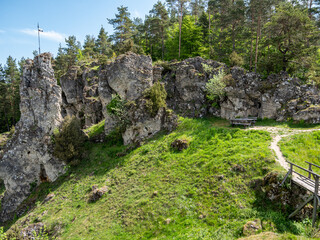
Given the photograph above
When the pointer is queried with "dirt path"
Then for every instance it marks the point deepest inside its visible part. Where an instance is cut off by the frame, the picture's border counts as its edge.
(277, 134)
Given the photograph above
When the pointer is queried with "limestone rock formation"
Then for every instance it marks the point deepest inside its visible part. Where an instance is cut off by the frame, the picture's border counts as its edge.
(80, 94)
(27, 161)
(278, 97)
(129, 76)
(186, 86)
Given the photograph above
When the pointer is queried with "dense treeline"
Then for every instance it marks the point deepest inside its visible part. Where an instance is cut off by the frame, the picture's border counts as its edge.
(266, 36)
(10, 75)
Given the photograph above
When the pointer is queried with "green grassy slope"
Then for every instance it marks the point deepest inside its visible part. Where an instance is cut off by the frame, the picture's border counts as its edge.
(155, 192)
(302, 147)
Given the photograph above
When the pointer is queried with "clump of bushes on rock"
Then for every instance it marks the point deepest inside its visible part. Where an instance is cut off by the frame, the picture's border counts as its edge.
(118, 109)
(216, 87)
(155, 98)
(69, 140)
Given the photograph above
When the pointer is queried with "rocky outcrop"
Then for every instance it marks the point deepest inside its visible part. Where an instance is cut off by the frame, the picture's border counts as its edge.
(27, 161)
(128, 77)
(186, 86)
(278, 97)
(80, 94)
(144, 125)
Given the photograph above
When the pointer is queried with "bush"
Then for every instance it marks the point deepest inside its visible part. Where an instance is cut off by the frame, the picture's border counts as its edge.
(235, 59)
(156, 98)
(215, 87)
(118, 109)
(69, 140)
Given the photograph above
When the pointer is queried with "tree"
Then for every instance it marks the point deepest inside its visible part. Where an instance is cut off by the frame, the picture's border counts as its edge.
(102, 44)
(12, 80)
(89, 46)
(159, 21)
(122, 25)
(180, 5)
(292, 33)
(197, 8)
(4, 103)
(71, 50)
(191, 40)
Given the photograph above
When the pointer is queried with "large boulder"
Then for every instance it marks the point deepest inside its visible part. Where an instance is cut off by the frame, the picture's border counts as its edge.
(27, 161)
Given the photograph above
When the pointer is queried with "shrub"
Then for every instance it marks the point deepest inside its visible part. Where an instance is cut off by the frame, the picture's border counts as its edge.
(69, 140)
(118, 109)
(216, 87)
(156, 98)
(235, 59)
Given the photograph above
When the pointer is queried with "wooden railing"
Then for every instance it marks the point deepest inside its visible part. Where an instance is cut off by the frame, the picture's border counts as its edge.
(308, 183)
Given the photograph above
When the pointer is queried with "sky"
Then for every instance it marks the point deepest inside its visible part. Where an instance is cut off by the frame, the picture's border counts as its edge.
(58, 19)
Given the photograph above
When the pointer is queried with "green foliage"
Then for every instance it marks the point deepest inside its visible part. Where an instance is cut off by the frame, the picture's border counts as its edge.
(293, 34)
(236, 59)
(156, 98)
(159, 193)
(215, 87)
(118, 109)
(95, 130)
(68, 142)
(10, 76)
(302, 147)
(2, 234)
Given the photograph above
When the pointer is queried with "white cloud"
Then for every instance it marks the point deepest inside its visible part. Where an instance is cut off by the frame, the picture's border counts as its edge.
(51, 35)
(136, 14)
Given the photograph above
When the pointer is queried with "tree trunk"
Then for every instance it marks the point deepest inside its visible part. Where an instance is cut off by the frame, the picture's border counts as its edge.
(251, 47)
(209, 25)
(257, 43)
(233, 37)
(162, 41)
(310, 7)
(180, 26)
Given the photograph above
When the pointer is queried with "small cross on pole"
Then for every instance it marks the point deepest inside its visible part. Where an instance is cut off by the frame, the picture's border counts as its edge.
(39, 30)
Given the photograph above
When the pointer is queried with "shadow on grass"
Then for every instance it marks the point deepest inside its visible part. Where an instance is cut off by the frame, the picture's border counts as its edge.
(274, 216)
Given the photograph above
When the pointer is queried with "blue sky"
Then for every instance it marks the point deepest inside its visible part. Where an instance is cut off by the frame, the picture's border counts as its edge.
(58, 19)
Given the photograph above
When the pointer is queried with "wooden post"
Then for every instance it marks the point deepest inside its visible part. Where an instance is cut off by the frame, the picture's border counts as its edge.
(310, 169)
(315, 200)
(291, 169)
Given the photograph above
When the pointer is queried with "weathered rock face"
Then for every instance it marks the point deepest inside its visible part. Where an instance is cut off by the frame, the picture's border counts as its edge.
(27, 161)
(80, 94)
(129, 76)
(143, 125)
(278, 97)
(186, 86)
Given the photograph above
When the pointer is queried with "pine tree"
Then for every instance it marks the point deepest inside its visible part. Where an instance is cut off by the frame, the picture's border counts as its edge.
(159, 21)
(293, 34)
(122, 25)
(72, 50)
(180, 5)
(12, 79)
(89, 46)
(102, 44)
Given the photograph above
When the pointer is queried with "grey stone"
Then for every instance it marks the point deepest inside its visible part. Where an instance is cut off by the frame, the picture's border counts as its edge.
(27, 161)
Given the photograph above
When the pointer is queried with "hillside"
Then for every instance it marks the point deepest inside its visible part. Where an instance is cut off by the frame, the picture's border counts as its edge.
(208, 191)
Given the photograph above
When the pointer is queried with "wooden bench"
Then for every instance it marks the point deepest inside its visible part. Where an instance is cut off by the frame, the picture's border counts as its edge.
(246, 122)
